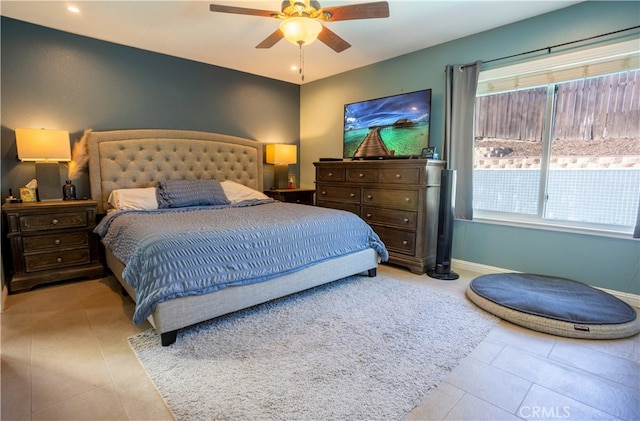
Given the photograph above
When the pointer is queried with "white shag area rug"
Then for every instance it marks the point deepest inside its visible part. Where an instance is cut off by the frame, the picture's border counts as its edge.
(357, 349)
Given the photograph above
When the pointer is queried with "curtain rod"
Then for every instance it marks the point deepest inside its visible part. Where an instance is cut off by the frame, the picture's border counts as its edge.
(548, 49)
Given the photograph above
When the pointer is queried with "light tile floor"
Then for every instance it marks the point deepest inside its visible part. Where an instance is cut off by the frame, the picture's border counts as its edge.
(65, 356)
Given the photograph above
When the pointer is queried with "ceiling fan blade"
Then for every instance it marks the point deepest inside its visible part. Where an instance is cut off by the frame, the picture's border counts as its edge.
(242, 11)
(271, 40)
(332, 40)
(378, 9)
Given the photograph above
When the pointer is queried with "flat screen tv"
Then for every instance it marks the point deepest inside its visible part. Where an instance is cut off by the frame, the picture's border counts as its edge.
(395, 126)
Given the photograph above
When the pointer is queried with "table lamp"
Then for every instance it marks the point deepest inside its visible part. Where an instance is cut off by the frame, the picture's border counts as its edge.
(281, 156)
(46, 148)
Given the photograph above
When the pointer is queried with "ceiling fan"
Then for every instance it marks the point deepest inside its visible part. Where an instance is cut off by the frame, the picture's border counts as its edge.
(302, 20)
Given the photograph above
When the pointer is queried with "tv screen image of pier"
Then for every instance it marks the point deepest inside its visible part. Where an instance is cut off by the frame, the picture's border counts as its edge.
(393, 125)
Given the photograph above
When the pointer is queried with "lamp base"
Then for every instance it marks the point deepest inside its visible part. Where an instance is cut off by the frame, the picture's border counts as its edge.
(281, 176)
(48, 176)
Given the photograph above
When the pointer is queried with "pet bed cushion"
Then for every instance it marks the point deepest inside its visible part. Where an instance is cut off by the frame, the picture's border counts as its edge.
(554, 305)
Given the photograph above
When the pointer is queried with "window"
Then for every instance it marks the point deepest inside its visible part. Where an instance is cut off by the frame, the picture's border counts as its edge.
(558, 140)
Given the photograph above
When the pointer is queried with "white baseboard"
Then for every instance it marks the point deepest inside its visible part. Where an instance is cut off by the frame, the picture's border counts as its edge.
(477, 267)
(631, 299)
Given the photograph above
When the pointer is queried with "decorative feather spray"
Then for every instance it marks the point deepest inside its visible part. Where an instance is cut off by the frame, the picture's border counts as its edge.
(79, 156)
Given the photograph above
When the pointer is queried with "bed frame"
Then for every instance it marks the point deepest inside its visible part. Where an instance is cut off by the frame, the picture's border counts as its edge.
(138, 158)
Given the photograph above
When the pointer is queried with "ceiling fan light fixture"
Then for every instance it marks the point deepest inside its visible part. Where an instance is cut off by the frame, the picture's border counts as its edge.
(300, 30)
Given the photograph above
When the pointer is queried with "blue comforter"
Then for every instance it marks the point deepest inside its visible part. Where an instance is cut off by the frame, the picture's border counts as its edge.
(172, 253)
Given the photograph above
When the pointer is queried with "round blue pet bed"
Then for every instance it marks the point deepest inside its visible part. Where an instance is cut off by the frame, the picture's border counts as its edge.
(554, 305)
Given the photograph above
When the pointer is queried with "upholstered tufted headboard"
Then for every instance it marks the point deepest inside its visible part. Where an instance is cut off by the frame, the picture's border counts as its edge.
(139, 158)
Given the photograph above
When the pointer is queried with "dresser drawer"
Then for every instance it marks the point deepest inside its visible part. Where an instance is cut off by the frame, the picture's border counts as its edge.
(37, 262)
(330, 174)
(397, 199)
(57, 241)
(363, 175)
(338, 193)
(350, 207)
(400, 175)
(391, 217)
(53, 221)
(397, 240)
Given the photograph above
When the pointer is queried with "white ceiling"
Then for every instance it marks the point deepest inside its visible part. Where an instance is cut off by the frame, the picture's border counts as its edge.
(189, 30)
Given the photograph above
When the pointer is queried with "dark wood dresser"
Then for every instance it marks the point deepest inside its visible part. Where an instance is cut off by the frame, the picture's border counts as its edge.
(398, 198)
(50, 241)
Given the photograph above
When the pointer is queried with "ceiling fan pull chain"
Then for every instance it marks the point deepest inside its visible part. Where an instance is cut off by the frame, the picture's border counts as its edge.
(301, 69)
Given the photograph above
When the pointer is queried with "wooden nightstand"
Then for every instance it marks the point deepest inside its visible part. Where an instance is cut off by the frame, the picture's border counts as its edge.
(50, 241)
(302, 196)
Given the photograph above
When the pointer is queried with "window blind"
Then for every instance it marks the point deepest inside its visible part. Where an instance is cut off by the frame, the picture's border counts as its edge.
(595, 61)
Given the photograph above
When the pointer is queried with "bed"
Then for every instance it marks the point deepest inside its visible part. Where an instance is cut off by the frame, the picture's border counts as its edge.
(306, 246)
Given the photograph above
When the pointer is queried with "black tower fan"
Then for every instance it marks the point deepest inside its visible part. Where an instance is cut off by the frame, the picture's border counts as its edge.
(442, 270)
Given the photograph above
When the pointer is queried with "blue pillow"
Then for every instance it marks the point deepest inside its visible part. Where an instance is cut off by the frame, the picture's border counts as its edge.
(183, 193)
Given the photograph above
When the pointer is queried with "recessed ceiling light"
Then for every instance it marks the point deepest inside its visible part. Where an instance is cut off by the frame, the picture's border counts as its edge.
(294, 67)
(73, 9)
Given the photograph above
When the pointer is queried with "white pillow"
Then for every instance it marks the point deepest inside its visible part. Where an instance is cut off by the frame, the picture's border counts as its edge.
(134, 199)
(237, 192)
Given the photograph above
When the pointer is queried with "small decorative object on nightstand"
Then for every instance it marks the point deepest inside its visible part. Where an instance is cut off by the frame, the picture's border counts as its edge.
(69, 191)
(50, 241)
(302, 196)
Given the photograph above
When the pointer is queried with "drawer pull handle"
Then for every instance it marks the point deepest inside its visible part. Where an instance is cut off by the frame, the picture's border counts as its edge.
(369, 197)
(368, 215)
(360, 175)
(57, 242)
(407, 199)
(352, 195)
(330, 174)
(324, 193)
(59, 260)
(398, 176)
(55, 222)
(406, 220)
(404, 243)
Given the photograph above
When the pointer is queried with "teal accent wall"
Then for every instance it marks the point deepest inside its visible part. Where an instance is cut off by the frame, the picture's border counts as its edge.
(58, 80)
(600, 261)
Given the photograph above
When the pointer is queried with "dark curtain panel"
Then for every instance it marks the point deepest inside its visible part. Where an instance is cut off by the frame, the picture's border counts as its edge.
(636, 232)
(460, 93)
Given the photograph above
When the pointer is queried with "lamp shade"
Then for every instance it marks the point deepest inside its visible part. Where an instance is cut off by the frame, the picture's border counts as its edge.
(281, 154)
(43, 145)
(300, 30)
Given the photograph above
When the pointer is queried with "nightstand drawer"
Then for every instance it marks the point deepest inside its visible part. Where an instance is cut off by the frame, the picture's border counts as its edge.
(302, 196)
(55, 241)
(53, 221)
(37, 262)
